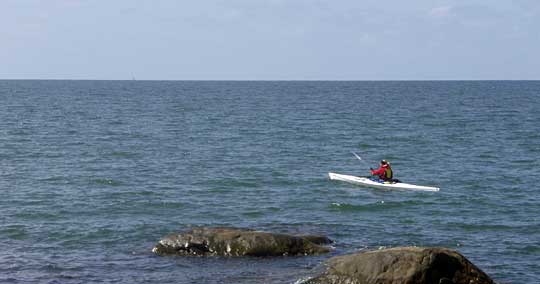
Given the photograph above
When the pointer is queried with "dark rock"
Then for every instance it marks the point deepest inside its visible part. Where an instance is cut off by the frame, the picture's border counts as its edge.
(317, 239)
(403, 265)
(236, 242)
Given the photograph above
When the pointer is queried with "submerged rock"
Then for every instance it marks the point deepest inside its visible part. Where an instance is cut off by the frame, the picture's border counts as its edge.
(238, 242)
(317, 239)
(402, 265)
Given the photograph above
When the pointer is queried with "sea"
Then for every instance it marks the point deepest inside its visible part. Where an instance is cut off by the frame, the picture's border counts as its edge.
(94, 173)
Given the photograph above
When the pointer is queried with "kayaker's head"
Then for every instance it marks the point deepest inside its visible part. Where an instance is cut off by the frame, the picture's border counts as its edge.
(384, 162)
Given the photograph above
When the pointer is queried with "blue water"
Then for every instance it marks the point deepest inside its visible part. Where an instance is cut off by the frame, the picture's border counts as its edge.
(94, 173)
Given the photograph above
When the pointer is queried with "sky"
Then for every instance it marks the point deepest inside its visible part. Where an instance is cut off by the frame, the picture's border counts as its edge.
(270, 39)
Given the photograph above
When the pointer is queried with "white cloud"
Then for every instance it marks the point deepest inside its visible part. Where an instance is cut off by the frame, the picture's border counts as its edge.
(441, 12)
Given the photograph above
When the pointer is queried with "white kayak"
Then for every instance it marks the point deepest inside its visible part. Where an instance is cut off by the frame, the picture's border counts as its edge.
(363, 181)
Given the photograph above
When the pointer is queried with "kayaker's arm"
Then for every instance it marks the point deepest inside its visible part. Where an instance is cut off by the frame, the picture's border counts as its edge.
(379, 171)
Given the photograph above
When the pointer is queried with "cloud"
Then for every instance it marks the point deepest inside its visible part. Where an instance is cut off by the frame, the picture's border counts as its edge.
(441, 12)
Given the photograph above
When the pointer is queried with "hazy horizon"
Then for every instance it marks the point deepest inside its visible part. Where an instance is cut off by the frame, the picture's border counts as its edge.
(278, 80)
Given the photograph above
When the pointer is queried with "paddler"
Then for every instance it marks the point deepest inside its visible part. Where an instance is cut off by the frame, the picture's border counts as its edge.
(384, 171)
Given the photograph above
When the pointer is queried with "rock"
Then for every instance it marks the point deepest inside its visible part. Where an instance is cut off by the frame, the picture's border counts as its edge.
(237, 242)
(317, 239)
(402, 265)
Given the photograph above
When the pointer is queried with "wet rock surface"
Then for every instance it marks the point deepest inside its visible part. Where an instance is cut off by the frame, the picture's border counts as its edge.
(403, 265)
(238, 242)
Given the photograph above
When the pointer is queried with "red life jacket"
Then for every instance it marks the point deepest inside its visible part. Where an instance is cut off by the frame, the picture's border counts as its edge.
(384, 172)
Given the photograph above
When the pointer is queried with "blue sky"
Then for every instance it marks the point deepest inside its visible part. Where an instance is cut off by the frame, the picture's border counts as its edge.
(269, 40)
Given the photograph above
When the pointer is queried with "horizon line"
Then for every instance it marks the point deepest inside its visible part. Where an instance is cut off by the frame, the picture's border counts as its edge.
(267, 80)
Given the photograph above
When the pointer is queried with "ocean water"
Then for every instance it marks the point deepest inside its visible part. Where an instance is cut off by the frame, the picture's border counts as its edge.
(94, 173)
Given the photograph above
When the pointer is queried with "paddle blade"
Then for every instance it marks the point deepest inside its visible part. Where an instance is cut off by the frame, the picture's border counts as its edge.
(358, 157)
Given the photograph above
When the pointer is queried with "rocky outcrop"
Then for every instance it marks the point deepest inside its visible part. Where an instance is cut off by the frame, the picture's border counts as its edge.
(317, 239)
(238, 242)
(402, 265)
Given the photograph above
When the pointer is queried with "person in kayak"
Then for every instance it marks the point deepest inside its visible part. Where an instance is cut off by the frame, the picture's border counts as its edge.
(384, 172)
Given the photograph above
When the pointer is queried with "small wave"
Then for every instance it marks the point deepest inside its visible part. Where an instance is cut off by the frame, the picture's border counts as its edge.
(106, 181)
(364, 146)
(302, 280)
(523, 161)
(102, 236)
(530, 250)
(232, 183)
(354, 207)
(482, 227)
(16, 232)
(55, 180)
(41, 216)
(122, 154)
(169, 205)
(379, 205)
(253, 214)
